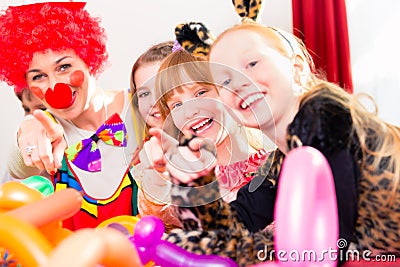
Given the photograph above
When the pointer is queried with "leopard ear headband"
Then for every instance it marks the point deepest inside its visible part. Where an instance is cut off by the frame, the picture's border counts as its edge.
(248, 9)
(194, 37)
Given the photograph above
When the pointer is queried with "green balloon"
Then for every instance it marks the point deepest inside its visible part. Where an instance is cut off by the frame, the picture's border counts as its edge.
(40, 183)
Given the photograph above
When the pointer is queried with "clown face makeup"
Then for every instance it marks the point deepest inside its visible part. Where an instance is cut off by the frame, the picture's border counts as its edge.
(61, 80)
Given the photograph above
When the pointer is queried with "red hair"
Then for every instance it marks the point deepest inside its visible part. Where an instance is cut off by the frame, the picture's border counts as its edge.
(55, 26)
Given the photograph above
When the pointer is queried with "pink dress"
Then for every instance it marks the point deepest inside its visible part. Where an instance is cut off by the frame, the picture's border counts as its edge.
(233, 176)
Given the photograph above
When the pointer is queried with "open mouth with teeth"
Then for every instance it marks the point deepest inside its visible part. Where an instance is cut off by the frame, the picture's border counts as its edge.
(202, 125)
(247, 102)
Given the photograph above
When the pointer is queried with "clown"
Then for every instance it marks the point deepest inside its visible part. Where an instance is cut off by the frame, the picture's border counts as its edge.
(57, 50)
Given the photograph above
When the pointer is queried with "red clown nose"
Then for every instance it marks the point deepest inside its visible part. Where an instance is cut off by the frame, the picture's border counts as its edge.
(62, 96)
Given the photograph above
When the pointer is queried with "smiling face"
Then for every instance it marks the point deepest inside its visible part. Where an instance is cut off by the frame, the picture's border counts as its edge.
(197, 110)
(257, 79)
(145, 82)
(53, 70)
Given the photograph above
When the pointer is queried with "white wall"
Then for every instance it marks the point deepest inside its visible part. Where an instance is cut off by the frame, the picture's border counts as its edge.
(375, 56)
(132, 27)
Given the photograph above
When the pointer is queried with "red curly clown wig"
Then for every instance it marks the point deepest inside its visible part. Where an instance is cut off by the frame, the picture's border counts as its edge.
(27, 29)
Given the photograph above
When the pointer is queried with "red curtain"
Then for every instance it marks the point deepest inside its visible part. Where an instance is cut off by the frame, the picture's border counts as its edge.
(322, 25)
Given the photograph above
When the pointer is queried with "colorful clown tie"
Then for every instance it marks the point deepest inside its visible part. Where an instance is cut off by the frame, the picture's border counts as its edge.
(86, 155)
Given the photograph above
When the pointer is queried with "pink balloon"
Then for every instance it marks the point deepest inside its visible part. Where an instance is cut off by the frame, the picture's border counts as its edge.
(306, 220)
(147, 239)
(306, 208)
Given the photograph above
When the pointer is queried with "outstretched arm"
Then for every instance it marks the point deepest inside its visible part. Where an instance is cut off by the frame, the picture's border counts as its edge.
(41, 142)
(190, 167)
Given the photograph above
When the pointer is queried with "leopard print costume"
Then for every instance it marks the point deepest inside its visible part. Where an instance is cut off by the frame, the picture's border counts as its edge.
(378, 222)
(211, 226)
(377, 227)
